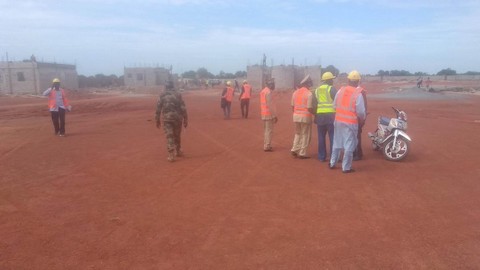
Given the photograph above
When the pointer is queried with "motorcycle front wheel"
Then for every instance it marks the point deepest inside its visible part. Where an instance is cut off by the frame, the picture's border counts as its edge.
(396, 152)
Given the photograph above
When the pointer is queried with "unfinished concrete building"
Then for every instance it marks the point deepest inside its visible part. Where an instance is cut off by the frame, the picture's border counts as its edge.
(287, 77)
(146, 77)
(32, 77)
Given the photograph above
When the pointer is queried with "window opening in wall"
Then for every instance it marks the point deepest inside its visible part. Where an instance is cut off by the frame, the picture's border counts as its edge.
(20, 77)
(139, 76)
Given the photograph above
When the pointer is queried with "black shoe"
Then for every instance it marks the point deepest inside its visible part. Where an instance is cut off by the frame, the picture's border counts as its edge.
(268, 150)
(294, 154)
(349, 171)
(330, 166)
(303, 157)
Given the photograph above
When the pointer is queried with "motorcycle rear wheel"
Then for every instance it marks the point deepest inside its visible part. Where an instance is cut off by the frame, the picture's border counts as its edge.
(396, 152)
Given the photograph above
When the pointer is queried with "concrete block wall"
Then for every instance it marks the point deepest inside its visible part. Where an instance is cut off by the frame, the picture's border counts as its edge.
(30, 77)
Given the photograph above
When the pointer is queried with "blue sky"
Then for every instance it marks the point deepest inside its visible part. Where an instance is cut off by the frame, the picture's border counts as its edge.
(368, 35)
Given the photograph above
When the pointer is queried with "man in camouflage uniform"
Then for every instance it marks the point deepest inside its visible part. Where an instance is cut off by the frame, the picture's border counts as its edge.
(171, 105)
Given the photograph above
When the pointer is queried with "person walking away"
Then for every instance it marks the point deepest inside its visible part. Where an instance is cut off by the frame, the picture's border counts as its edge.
(58, 104)
(171, 105)
(268, 114)
(303, 111)
(325, 116)
(349, 109)
(227, 96)
(245, 98)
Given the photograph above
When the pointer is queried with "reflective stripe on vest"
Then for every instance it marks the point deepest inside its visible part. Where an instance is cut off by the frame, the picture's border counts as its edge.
(324, 99)
(264, 109)
(300, 102)
(346, 105)
(247, 91)
(52, 99)
(229, 94)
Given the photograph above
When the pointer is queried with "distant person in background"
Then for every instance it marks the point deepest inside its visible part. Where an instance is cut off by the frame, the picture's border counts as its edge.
(428, 82)
(227, 97)
(419, 82)
(269, 114)
(57, 104)
(325, 116)
(303, 111)
(171, 105)
(245, 98)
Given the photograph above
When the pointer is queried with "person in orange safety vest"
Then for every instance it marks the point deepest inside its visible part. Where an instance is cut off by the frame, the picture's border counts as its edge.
(349, 113)
(58, 104)
(303, 112)
(245, 98)
(268, 114)
(227, 97)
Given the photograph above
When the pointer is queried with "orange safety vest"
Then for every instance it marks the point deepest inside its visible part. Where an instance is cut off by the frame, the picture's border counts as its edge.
(264, 109)
(345, 105)
(247, 91)
(229, 94)
(300, 102)
(52, 103)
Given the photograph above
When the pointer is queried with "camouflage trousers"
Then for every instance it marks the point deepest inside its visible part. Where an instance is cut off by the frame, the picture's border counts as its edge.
(173, 131)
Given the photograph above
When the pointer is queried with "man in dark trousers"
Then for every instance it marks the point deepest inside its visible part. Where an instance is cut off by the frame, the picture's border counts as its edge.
(57, 104)
(245, 98)
(172, 106)
(325, 116)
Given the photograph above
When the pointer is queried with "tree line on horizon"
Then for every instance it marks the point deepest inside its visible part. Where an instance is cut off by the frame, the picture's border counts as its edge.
(102, 81)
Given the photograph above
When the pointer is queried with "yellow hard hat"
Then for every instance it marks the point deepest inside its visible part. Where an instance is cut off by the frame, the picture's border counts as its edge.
(327, 76)
(354, 76)
(229, 83)
(56, 80)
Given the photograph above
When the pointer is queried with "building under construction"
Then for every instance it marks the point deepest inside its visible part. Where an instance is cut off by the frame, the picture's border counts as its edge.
(32, 77)
(287, 77)
(146, 77)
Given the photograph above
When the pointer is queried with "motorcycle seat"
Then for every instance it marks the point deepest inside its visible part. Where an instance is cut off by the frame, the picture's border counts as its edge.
(384, 121)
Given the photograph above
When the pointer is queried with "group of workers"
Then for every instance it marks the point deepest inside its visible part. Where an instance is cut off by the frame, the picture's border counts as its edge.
(227, 98)
(340, 114)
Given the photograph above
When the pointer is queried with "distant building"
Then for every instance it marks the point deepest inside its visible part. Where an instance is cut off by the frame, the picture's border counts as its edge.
(32, 77)
(287, 77)
(146, 76)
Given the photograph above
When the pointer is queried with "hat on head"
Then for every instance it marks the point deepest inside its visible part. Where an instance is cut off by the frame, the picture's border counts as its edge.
(56, 80)
(229, 83)
(354, 76)
(327, 76)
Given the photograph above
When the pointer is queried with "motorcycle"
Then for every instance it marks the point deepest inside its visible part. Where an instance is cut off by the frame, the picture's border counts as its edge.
(391, 137)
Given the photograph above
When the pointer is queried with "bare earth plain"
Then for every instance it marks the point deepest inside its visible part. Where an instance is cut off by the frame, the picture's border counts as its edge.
(105, 197)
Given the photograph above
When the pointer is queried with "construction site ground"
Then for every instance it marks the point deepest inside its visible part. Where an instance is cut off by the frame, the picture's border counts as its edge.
(105, 196)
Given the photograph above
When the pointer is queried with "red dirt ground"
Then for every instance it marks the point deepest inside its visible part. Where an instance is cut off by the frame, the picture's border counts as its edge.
(105, 197)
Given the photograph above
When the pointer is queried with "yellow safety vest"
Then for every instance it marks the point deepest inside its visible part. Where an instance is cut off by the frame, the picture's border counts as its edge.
(325, 101)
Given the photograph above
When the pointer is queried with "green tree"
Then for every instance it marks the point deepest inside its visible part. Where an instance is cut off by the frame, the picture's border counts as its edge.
(472, 73)
(204, 74)
(189, 74)
(240, 74)
(447, 72)
(332, 69)
(419, 73)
